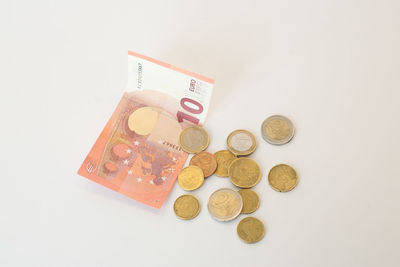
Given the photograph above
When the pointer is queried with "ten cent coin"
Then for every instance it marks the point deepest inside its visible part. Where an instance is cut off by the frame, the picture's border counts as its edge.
(244, 172)
(224, 159)
(206, 161)
(251, 201)
(241, 142)
(250, 230)
(194, 139)
(225, 204)
(186, 207)
(190, 178)
(277, 130)
(282, 178)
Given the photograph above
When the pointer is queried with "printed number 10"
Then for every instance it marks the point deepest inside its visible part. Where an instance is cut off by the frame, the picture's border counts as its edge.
(197, 109)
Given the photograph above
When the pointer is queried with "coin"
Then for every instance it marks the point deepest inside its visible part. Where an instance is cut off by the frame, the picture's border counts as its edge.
(282, 178)
(194, 139)
(250, 230)
(206, 161)
(225, 204)
(190, 178)
(251, 201)
(241, 142)
(277, 130)
(186, 207)
(224, 159)
(143, 120)
(244, 172)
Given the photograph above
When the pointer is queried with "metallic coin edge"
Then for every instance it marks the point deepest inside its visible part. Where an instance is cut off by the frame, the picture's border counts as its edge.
(188, 150)
(183, 218)
(259, 177)
(276, 189)
(261, 237)
(271, 141)
(225, 220)
(190, 189)
(243, 153)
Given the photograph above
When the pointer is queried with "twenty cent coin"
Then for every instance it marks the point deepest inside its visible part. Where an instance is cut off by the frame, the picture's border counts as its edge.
(206, 161)
(241, 142)
(277, 130)
(194, 139)
(186, 207)
(225, 204)
(190, 178)
(282, 178)
(251, 201)
(224, 159)
(244, 172)
(250, 230)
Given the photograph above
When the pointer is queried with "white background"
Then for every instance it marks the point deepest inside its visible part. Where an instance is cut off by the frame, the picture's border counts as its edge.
(331, 66)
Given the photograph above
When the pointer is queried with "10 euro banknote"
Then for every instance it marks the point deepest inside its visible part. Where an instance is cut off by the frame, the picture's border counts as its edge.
(138, 152)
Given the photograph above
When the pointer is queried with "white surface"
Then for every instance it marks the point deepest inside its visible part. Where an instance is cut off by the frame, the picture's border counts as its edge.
(331, 66)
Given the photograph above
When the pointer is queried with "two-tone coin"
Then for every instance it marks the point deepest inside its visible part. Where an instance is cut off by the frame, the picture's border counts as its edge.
(194, 139)
(282, 178)
(225, 204)
(206, 161)
(241, 142)
(250, 230)
(224, 160)
(190, 178)
(244, 172)
(277, 130)
(186, 207)
(251, 201)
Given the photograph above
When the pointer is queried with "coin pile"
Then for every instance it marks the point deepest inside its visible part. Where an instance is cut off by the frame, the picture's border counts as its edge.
(226, 204)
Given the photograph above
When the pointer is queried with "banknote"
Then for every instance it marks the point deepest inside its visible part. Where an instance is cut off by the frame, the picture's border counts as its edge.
(138, 152)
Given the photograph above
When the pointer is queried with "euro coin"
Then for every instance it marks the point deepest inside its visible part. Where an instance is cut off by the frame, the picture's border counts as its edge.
(244, 172)
(251, 201)
(194, 139)
(186, 207)
(190, 178)
(206, 161)
(224, 159)
(277, 130)
(241, 142)
(225, 204)
(250, 230)
(282, 178)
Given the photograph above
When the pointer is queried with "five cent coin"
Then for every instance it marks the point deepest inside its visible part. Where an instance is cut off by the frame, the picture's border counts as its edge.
(194, 139)
(186, 207)
(225, 204)
(241, 142)
(206, 161)
(244, 172)
(250, 230)
(224, 159)
(251, 201)
(277, 130)
(282, 178)
(190, 178)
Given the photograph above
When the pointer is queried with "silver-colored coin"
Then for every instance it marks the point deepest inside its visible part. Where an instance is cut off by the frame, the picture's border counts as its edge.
(225, 204)
(241, 142)
(277, 130)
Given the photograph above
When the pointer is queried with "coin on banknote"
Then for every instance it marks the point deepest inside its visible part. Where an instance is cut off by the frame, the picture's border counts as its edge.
(244, 172)
(194, 139)
(225, 204)
(277, 130)
(250, 230)
(224, 159)
(143, 120)
(190, 178)
(241, 142)
(206, 161)
(282, 178)
(186, 207)
(251, 201)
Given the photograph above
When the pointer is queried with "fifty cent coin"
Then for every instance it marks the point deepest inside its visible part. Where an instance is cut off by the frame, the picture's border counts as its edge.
(224, 159)
(244, 172)
(190, 178)
(186, 207)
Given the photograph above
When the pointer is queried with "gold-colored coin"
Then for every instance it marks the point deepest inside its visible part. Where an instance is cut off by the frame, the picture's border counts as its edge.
(277, 130)
(186, 207)
(244, 172)
(250, 230)
(224, 159)
(143, 120)
(225, 204)
(194, 139)
(282, 178)
(251, 201)
(190, 178)
(241, 142)
(206, 161)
